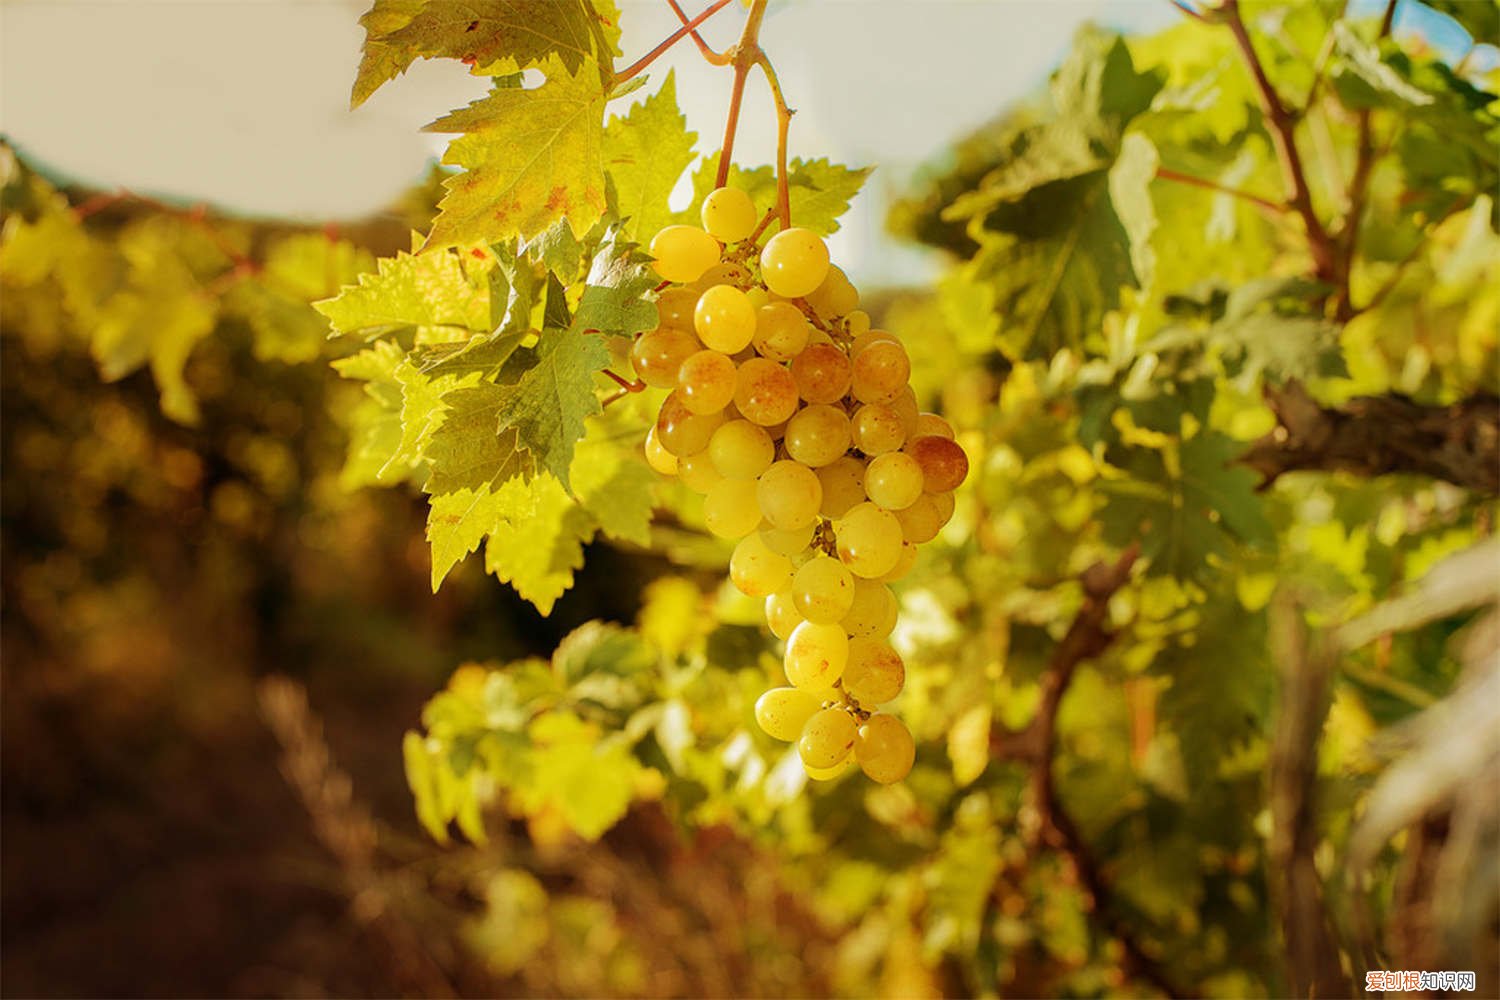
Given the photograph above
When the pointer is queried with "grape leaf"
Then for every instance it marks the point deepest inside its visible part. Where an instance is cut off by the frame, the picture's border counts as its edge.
(530, 157)
(537, 542)
(424, 291)
(549, 402)
(614, 295)
(375, 424)
(1364, 80)
(297, 269)
(818, 191)
(589, 781)
(645, 153)
(616, 487)
(382, 61)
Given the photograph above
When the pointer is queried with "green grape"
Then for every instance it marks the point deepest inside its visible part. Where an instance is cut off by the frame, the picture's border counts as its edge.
(728, 214)
(790, 542)
(817, 435)
(783, 712)
(683, 253)
(724, 319)
(843, 482)
(741, 450)
(880, 372)
(872, 612)
(869, 540)
(705, 382)
(874, 674)
(781, 331)
(857, 324)
(657, 457)
(922, 521)
(931, 423)
(823, 590)
(944, 464)
(766, 393)
(781, 614)
(727, 273)
(884, 748)
(658, 355)
(906, 408)
(730, 510)
(789, 494)
(827, 738)
(836, 296)
(906, 558)
(674, 309)
(697, 472)
(815, 656)
(755, 570)
(893, 480)
(868, 337)
(827, 773)
(822, 373)
(758, 296)
(794, 262)
(877, 429)
(680, 430)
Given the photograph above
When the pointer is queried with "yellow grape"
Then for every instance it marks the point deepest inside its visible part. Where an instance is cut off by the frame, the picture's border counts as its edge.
(783, 712)
(884, 748)
(856, 324)
(822, 373)
(781, 331)
(905, 560)
(789, 495)
(827, 738)
(755, 570)
(817, 435)
(657, 457)
(681, 431)
(674, 309)
(944, 464)
(741, 450)
(931, 423)
(945, 503)
(872, 612)
(836, 296)
(724, 319)
(827, 773)
(868, 337)
(905, 406)
(730, 510)
(874, 673)
(815, 656)
(843, 482)
(727, 273)
(794, 262)
(705, 382)
(789, 542)
(781, 614)
(683, 253)
(869, 540)
(880, 372)
(728, 214)
(922, 521)
(877, 429)
(659, 354)
(697, 472)
(893, 480)
(823, 589)
(766, 393)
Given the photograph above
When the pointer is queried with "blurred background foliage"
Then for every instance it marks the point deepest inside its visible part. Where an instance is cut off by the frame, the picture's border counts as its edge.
(1279, 770)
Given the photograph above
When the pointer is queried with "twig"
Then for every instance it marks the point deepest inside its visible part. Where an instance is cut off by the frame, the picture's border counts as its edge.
(625, 383)
(743, 57)
(671, 40)
(1203, 182)
(1359, 185)
(97, 202)
(715, 58)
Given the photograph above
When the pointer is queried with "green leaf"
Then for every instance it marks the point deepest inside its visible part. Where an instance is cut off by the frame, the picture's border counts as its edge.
(1130, 192)
(375, 424)
(590, 782)
(614, 295)
(1364, 80)
(422, 778)
(530, 157)
(600, 647)
(550, 401)
(617, 488)
(428, 292)
(818, 191)
(537, 543)
(382, 61)
(645, 154)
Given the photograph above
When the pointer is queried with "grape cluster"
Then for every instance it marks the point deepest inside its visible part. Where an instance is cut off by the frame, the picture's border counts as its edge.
(796, 422)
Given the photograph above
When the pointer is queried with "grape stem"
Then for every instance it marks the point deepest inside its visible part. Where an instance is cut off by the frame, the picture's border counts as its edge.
(715, 58)
(687, 28)
(783, 125)
(742, 57)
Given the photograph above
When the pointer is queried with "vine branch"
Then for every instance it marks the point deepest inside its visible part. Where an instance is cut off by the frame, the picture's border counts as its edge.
(671, 40)
(1359, 185)
(715, 58)
(1180, 178)
(743, 56)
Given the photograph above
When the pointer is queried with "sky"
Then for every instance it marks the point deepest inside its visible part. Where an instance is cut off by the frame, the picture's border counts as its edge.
(244, 103)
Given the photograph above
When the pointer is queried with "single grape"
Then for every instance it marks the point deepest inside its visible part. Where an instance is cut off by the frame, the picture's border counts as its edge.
(944, 464)
(705, 382)
(766, 393)
(781, 614)
(794, 262)
(922, 521)
(680, 430)
(697, 472)
(906, 558)
(827, 738)
(789, 495)
(815, 656)
(788, 542)
(755, 570)
(658, 355)
(823, 589)
(730, 510)
(657, 457)
(856, 324)
(724, 319)
(843, 482)
(822, 372)
(884, 748)
(817, 435)
(905, 406)
(835, 296)
(783, 712)
(872, 612)
(741, 450)
(683, 253)
(868, 337)
(728, 214)
(827, 773)
(893, 480)
(945, 504)
(874, 673)
(781, 331)
(877, 429)
(674, 309)
(880, 372)
(727, 273)
(931, 423)
(869, 540)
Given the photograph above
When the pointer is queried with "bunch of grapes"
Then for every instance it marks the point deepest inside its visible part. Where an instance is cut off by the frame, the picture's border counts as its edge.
(796, 422)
